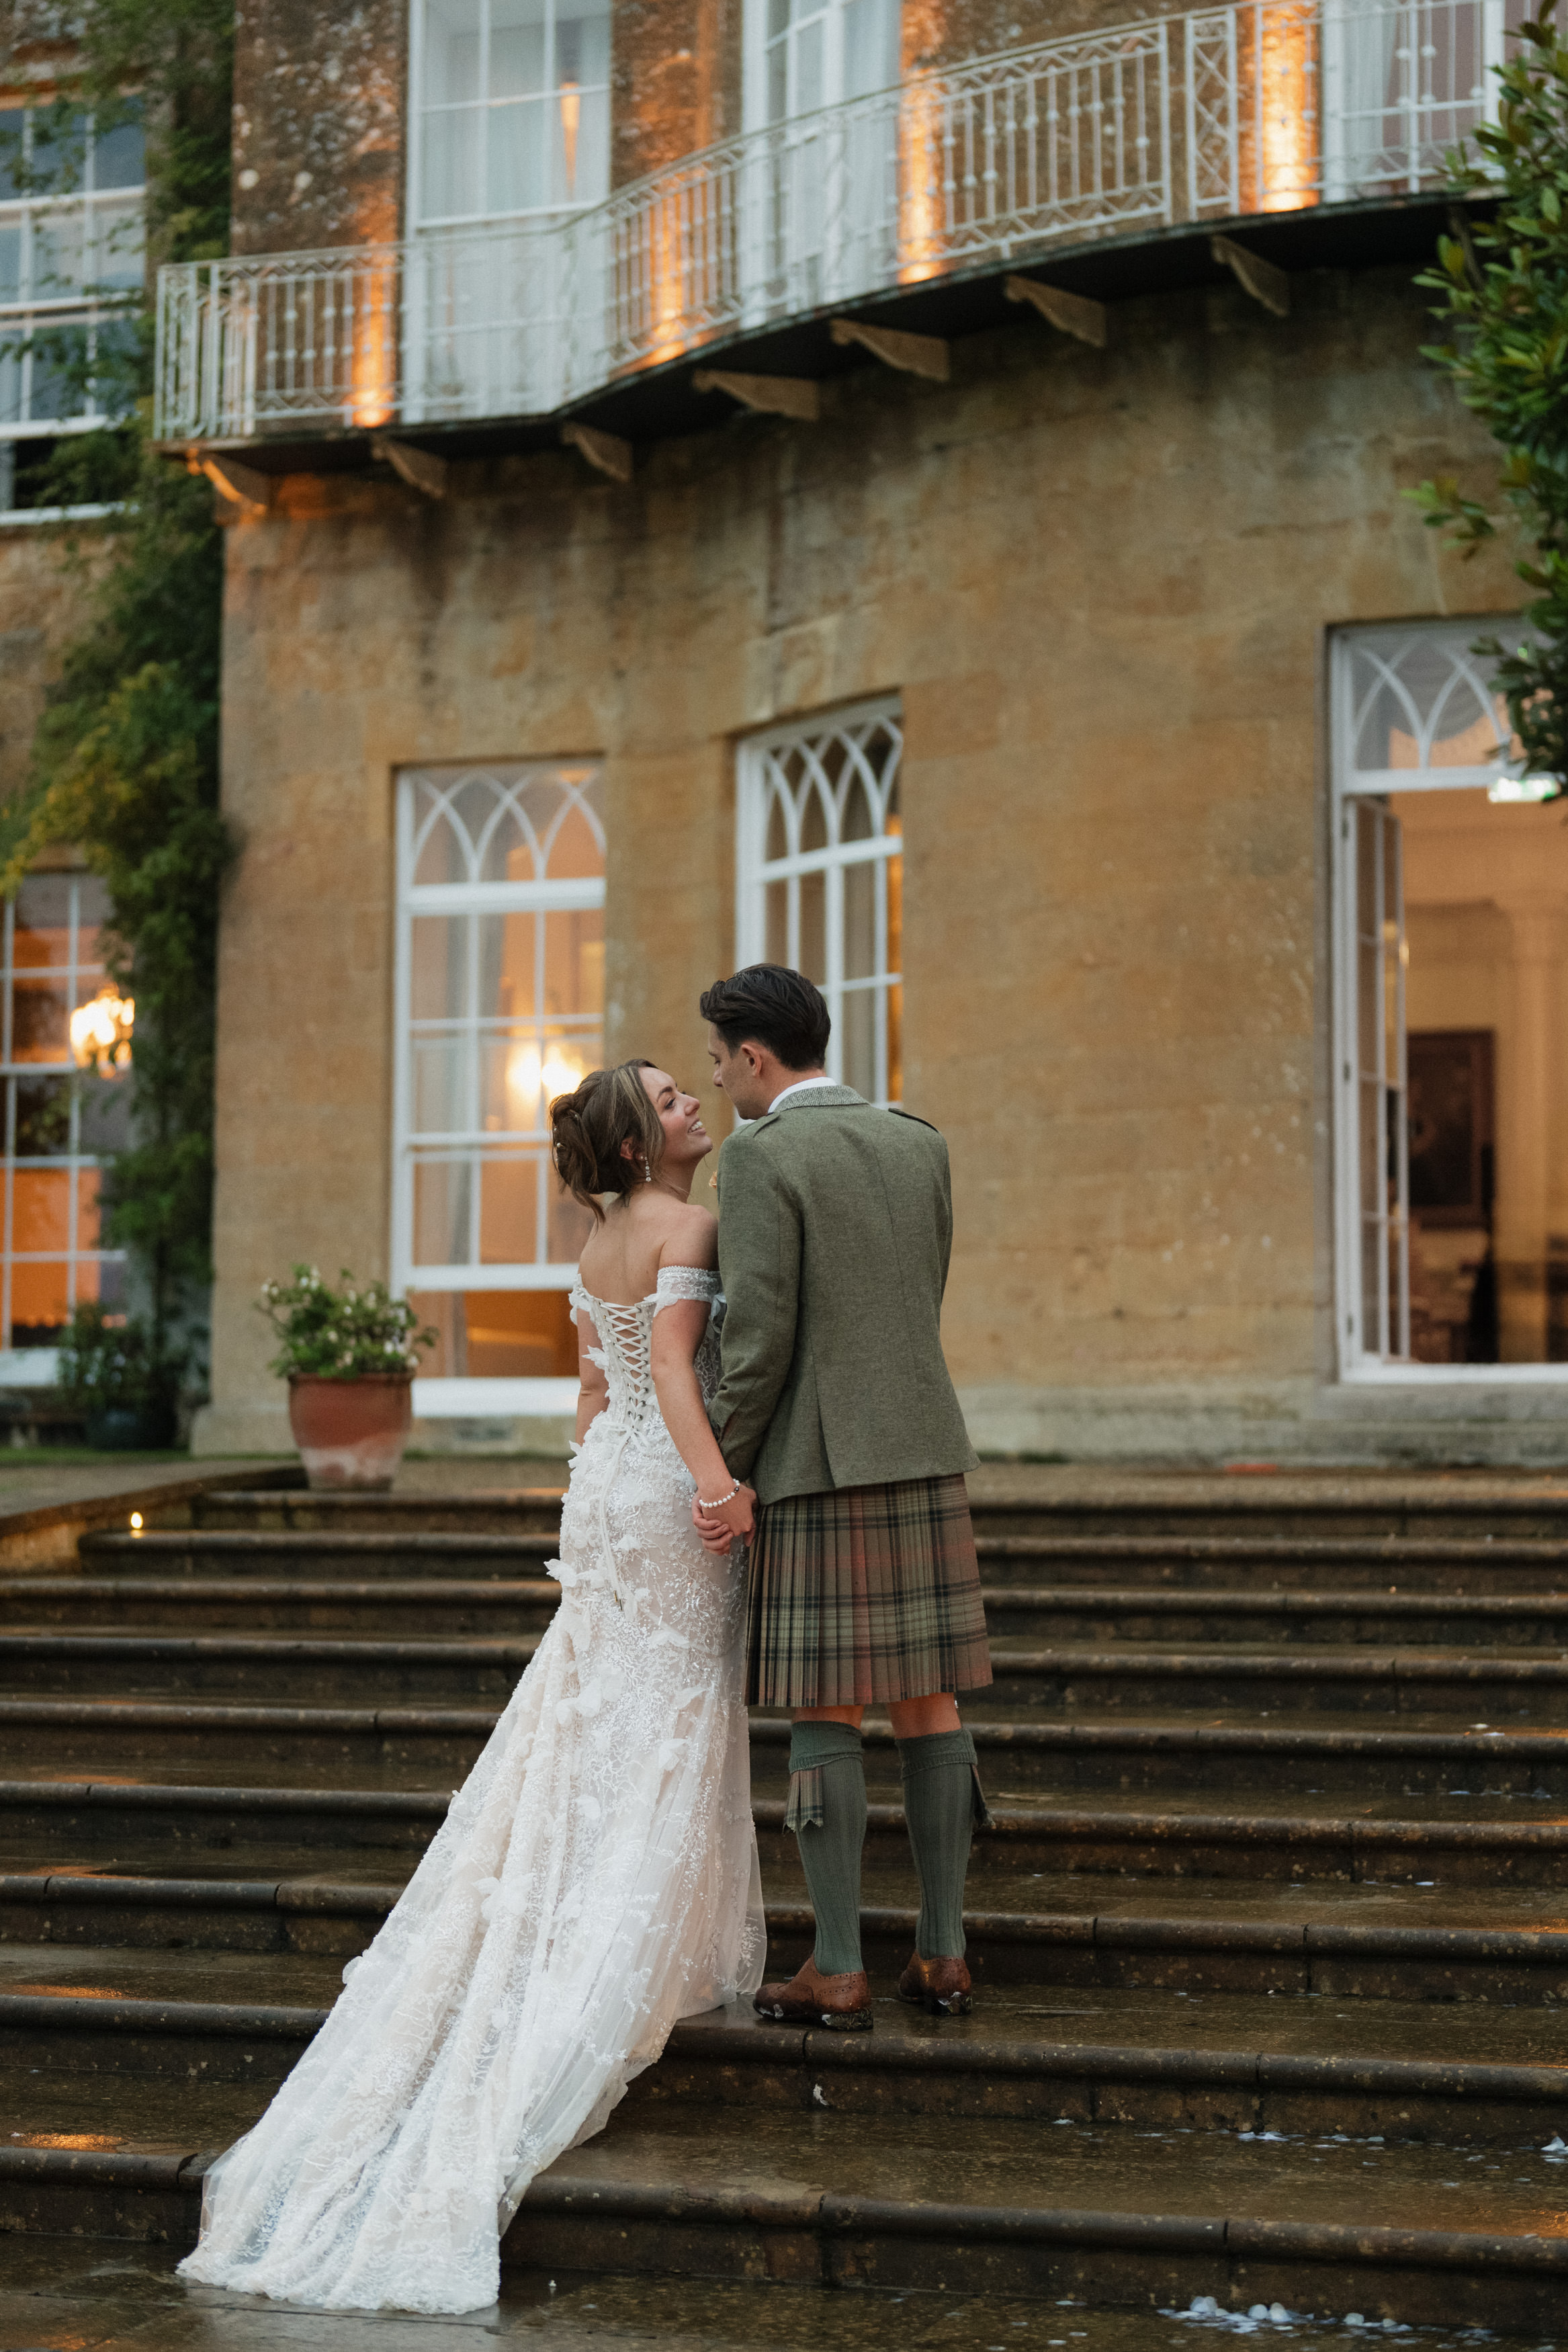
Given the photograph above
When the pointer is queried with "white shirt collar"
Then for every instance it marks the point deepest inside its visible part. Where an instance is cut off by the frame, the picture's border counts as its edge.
(799, 1087)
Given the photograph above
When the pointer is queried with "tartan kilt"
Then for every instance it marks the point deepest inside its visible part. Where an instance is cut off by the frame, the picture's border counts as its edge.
(865, 1594)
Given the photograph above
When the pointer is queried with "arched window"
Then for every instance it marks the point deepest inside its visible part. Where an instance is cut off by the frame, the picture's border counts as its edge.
(500, 983)
(821, 880)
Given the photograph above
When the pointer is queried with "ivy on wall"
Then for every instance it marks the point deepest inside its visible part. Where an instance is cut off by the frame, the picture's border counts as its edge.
(125, 761)
(1503, 280)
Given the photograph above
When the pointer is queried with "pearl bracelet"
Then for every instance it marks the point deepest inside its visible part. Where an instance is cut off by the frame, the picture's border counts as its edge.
(721, 1500)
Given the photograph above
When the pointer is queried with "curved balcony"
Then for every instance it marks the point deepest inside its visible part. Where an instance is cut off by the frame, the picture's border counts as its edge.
(1316, 130)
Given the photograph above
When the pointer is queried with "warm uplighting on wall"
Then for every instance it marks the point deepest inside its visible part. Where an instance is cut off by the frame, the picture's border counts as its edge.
(374, 381)
(1287, 67)
(920, 181)
(100, 1032)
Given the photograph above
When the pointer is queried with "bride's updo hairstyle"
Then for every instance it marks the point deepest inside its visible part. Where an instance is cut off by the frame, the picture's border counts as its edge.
(587, 1128)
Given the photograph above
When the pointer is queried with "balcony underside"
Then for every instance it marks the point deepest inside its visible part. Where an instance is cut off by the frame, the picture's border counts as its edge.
(657, 402)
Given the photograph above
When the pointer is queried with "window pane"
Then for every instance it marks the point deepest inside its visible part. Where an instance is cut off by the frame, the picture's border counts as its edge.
(574, 852)
(858, 1023)
(441, 1212)
(43, 1117)
(58, 252)
(451, 55)
(499, 1334)
(41, 1209)
(10, 261)
(38, 1303)
(895, 1043)
(518, 56)
(120, 156)
(117, 261)
(777, 904)
(13, 126)
(89, 1184)
(438, 967)
(570, 1227)
(453, 145)
(574, 961)
(860, 921)
(58, 383)
(814, 927)
(439, 1104)
(508, 1209)
(40, 1020)
(59, 150)
(43, 921)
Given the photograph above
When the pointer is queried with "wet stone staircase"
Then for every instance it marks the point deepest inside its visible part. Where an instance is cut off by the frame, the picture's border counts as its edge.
(1269, 1933)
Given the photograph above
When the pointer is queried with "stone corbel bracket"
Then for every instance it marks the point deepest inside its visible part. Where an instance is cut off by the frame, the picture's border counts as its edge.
(924, 355)
(771, 396)
(607, 451)
(421, 469)
(1074, 314)
(241, 486)
(1260, 278)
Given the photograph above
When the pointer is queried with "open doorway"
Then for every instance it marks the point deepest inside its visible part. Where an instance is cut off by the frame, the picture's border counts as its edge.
(1452, 873)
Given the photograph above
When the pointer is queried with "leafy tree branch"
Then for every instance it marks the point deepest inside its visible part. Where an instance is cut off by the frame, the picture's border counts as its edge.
(1503, 279)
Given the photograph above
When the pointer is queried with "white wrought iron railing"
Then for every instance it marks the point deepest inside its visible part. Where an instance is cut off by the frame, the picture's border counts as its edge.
(1266, 106)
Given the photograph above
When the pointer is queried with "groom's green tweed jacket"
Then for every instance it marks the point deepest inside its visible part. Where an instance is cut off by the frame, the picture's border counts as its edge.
(834, 1231)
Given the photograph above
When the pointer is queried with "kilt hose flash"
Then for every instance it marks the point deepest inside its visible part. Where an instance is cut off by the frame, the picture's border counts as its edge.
(865, 1594)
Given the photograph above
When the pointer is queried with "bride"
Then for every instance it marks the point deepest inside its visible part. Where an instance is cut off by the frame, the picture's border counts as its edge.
(596, 1878)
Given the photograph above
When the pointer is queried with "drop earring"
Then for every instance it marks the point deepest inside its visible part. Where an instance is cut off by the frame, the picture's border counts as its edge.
(647, 1173)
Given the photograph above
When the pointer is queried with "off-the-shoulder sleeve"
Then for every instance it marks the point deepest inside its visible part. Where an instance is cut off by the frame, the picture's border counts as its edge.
(678, 1282)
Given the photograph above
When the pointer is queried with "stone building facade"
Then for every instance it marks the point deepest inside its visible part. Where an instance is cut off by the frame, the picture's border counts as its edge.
(1066, 683)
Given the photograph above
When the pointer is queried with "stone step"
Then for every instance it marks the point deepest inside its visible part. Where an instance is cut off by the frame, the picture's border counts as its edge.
(1054, 1614)
(1371, 1941)
(1477, 1841)
(500, 1510)
(1495, 1685)
(63, 2291)
(1226, 2063)
(352, 1556)
(423, 1747)
(1301, 1510)
(1413, 2233)
(429, 1606)
(1477, 1564)
(1279, 1563)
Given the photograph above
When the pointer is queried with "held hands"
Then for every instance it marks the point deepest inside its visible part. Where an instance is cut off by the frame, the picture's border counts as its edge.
(729, 1522)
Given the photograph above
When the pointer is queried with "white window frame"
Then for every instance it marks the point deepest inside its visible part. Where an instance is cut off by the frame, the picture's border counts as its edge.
(86, 307)
(1357, 1363)
(419, 221)
(464, 1397)
(754, 871)
(756, 46)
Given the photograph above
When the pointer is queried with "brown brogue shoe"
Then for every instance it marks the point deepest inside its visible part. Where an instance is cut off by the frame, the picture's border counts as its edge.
(941, 1986)
(842, 2003)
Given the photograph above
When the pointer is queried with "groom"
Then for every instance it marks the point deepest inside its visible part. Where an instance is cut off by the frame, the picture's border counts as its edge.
(835, 1227)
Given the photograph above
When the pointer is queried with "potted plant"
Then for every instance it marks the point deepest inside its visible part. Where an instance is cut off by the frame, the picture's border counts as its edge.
(349, 1356)
(121, 1379)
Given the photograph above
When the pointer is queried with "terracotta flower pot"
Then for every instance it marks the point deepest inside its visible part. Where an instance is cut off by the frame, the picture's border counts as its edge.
(351, 1433)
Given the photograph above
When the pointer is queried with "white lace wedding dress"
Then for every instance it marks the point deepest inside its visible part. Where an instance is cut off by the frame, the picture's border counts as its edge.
(595, 1879)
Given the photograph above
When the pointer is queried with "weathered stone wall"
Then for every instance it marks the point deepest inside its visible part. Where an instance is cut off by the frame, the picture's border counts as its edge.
(1101, 582)
(320, 100)
(674, 81)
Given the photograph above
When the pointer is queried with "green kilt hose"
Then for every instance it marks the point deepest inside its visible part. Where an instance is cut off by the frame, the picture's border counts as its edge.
(865, 1594)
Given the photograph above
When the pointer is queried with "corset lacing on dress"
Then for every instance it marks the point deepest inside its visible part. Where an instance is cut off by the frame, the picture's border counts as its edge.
(624, 1356)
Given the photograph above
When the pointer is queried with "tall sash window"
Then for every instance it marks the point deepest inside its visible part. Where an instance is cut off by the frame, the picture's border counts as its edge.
(500, 998)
